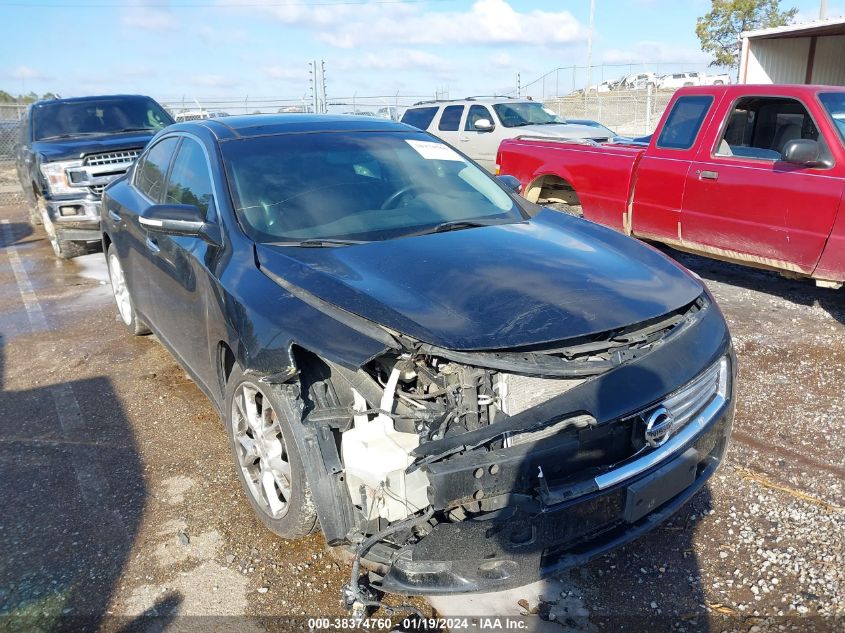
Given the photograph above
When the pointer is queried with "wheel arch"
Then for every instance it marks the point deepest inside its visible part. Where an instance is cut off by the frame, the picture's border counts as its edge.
(553, 187)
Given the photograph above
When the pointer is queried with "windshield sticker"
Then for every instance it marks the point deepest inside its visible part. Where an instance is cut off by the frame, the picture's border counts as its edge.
(434, 151)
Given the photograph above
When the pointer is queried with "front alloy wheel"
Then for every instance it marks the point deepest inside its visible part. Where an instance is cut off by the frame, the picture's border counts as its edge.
(267, 461)
(261, 451)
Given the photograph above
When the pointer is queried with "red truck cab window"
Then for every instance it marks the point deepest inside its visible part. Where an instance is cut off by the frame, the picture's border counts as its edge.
(684, 122)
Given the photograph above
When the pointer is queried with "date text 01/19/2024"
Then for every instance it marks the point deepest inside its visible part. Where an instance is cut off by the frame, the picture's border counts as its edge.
(418, 624)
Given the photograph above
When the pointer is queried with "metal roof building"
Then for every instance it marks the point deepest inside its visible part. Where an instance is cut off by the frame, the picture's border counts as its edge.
(809, 53)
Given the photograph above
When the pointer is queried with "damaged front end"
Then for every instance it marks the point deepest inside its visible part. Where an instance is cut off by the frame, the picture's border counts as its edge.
(468, 471)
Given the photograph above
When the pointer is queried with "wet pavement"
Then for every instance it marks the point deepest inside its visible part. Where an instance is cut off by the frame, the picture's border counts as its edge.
(118, 500)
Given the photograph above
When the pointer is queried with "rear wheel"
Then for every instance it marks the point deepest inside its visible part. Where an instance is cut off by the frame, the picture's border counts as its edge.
(122, 298)
(266, 458)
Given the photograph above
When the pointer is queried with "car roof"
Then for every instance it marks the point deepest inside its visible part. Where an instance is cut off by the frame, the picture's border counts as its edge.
(470, 101)
(252, 125)
(42, 102)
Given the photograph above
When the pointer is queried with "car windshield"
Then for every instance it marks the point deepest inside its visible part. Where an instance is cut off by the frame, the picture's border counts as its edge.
(97, 116)
(361, 186)
(525, 113)
(834, 103)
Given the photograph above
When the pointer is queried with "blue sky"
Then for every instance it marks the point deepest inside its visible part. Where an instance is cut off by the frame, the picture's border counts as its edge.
(207, 49)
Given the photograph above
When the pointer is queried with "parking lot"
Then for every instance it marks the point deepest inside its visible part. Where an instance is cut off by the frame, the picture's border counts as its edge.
(120, 499)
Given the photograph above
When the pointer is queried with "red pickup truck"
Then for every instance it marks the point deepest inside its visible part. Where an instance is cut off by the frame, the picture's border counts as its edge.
(751, 174)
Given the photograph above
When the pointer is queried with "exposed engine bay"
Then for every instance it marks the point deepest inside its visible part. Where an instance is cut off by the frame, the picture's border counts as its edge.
(426, 454)
(390, 411)
(436, 398)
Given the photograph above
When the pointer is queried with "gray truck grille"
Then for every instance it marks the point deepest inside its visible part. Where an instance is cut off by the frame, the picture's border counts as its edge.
(111, 158)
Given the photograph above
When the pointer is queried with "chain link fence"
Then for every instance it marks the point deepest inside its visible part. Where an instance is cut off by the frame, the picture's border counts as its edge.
(386, 106)
(10, 188)
(632, 113)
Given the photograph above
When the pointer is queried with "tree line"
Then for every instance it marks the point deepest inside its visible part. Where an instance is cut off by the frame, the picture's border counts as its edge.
(6, 97)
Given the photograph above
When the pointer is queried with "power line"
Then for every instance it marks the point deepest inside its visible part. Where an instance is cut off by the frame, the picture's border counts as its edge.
(206, 5)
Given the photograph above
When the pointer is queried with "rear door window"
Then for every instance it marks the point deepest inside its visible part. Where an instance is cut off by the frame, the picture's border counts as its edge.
(419, 117)
(153, 170)
(450, 120)
(684, 122)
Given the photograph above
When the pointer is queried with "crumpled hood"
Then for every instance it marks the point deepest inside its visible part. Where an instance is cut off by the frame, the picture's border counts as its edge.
(75, 148)
(551, 278)
(562, 130)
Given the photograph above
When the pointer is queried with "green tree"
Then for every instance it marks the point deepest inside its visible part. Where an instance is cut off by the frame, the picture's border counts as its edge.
(719, 30)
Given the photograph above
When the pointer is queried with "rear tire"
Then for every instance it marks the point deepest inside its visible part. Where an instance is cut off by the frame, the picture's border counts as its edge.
(266, 458)
(120, 291)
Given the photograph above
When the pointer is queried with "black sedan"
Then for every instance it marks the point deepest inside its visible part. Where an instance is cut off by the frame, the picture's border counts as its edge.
(464, 389)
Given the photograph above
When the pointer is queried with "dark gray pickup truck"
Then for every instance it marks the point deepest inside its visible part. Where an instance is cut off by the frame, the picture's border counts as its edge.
(70, 149)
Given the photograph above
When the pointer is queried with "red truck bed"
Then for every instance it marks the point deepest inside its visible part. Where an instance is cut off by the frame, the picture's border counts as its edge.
(752, 174)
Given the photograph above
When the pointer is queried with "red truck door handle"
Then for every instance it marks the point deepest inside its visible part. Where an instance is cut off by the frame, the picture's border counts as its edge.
(707, 175)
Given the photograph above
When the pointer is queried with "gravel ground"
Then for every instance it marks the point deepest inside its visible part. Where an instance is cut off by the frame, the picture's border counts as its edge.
(119, 499)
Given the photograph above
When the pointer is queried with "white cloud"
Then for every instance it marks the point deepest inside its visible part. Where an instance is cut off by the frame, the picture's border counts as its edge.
(213, 81)
(286, 72)
(148, 17)
(211, 35)
(25, 73)
(501, 60)
(487, 22)
(653, 52)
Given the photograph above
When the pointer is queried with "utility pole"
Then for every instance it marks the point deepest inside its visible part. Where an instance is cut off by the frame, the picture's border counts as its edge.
(590, 45)
(325, 109)
(823, 10)
(312, 85)
(518, 86)
(317, 86)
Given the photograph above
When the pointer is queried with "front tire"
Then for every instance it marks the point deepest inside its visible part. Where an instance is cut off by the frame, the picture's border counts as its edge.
(35, 213)
(267, 461)
(120, 291)
(63, 249)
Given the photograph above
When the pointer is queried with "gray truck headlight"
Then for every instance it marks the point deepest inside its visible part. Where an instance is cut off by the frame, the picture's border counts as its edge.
(56, 176)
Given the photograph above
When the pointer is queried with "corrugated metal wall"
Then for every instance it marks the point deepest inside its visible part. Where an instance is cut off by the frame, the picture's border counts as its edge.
(777, 61)
(784, 61)
(829, 65)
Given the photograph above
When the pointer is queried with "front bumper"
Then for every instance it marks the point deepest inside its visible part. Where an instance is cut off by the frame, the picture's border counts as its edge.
(75, 219)
(530, 543)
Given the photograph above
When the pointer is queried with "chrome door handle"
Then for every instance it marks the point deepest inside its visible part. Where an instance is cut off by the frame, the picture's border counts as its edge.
(152, 246)
(708, 175)
(114, 215)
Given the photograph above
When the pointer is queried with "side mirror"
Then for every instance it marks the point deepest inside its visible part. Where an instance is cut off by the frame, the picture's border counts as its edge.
(803, 152)
(180, 219)
(511, 183)
(483, 125)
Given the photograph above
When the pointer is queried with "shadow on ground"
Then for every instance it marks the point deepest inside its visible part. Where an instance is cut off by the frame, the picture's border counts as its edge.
(72, 495)
(801, 291)
(18, 232)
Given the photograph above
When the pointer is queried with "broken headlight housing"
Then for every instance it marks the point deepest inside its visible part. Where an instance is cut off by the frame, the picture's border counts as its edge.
(55, 174)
